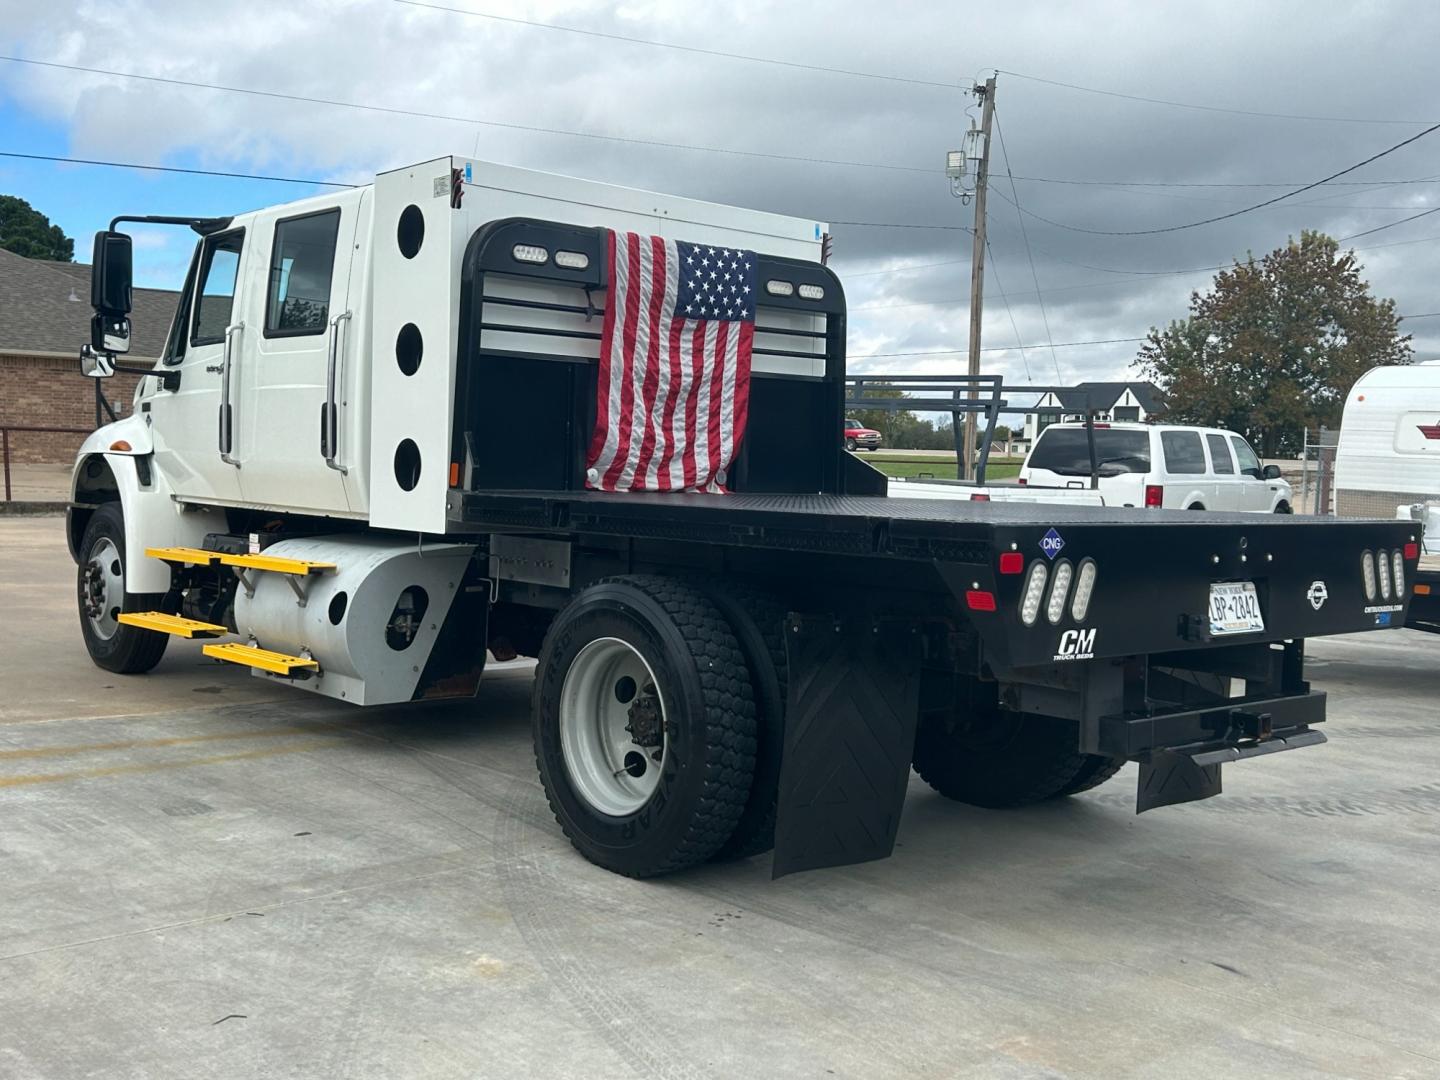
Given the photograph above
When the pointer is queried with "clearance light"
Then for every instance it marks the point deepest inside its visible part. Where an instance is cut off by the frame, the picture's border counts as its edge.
(1034, 593)
(1399, 562)
(811, 292)
(572, 260)
(530, 253)
(1412, 550)
(1154, 496)
(1059, 591)
(1367, 570)
(1382, 564)
(1422, 590)
(980, 600)
(1084, 586)
(1012, 562)
(779, 288)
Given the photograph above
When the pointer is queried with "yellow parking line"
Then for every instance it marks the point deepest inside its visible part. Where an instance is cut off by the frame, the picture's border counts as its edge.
(138, 744)
(118, 770)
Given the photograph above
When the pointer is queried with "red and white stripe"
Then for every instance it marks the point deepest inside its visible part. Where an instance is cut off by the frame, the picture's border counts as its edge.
(673, 393)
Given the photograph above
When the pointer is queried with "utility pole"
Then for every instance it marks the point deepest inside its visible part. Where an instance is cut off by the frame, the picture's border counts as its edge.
(986, 95)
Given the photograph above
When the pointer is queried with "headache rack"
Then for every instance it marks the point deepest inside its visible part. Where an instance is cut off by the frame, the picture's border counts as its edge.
(531, 309)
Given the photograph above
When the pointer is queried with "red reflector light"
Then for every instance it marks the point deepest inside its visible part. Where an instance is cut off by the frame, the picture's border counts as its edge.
(1412, 550)
(980, 496)
(1012, 562)
(1154, 495)
(1100, 427)
(1023, 481)
(979, 600)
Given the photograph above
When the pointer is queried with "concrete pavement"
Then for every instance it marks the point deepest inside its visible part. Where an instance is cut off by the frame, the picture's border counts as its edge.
(205, 875)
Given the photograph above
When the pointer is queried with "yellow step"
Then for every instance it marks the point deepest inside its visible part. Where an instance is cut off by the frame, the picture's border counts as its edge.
(253, 656)
(162, 623)
(187, 555)
(275, 563)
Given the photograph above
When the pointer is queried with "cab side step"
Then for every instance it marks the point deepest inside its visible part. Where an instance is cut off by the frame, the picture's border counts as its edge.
(175, 625)
(187, 556)
(276, 663)
(275, 564)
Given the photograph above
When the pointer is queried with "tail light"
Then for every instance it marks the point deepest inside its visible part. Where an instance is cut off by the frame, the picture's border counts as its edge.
(1399, 563)
(1023, 481)
(980, 496)
(1012, 562)
(1154, 495)
(1367, 570)
(1084, 586)
(1059, 592)
(1034, 593)
(1382, 564)
(1412, 550)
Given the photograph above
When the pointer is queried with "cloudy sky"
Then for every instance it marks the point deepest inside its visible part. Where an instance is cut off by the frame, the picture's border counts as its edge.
(1241, 102)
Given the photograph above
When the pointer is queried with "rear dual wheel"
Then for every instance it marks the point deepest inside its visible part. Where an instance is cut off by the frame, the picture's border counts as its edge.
(1000, 759)
(644, 725)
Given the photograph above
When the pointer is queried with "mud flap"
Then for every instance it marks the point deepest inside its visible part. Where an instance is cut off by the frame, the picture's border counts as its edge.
(1185, 775)
(849, 736)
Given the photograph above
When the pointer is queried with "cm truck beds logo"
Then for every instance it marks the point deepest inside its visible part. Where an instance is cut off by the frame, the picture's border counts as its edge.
(1077, 645)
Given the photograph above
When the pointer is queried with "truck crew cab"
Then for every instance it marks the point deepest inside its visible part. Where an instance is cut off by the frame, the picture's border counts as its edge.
(360, 466)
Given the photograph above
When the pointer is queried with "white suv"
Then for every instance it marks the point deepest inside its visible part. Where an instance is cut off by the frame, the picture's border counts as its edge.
(1160, 465)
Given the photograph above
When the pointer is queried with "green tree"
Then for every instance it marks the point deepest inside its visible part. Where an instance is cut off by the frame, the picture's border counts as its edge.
(26, 231)
(1275, 346)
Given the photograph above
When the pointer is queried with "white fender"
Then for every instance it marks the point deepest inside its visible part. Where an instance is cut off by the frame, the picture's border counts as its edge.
(152, 516)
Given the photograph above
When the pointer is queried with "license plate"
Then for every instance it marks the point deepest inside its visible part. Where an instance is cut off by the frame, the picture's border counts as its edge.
(1234, 608)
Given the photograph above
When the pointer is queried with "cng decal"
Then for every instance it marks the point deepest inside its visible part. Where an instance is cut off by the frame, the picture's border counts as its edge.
(1077, 645)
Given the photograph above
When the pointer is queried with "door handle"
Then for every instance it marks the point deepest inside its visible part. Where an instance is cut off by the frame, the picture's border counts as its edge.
(329, 416)
(214, 369)
(227, 416)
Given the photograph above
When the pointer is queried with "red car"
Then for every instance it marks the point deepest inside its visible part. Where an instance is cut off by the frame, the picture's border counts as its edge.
(859, 437)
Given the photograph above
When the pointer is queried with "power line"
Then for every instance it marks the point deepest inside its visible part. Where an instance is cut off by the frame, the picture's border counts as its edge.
(419, 114)
(1213, 108)
(1391, 225)
(172, 169)
(997, 348)
(650, 43)
(994, 267)
(907, 225)
(1233, 213)
(1216, 183)
(1024, 235)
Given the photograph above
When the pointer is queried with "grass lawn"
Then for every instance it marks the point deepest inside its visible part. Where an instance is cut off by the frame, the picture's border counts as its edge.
(940, 468)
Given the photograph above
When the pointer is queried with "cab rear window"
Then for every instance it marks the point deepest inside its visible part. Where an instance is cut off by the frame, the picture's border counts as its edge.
(1066, 451)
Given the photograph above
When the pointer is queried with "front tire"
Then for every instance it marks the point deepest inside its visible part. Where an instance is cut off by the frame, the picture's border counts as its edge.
(644, 725)
(850, 445)
(1000, 759)
(101, 596)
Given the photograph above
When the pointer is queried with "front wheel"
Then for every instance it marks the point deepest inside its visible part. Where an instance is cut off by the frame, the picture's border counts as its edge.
(644, 725)
(850, 445)
(100, 587)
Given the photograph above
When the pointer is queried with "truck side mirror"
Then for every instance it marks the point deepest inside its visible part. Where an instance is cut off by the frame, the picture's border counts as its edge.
(109, 333)
(1270, 472)
(111, 274)
(96, 365)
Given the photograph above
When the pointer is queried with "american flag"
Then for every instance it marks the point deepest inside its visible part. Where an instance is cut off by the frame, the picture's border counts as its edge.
(674, 381)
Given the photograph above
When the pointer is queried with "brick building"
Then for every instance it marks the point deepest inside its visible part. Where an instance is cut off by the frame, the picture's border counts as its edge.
(44, 319)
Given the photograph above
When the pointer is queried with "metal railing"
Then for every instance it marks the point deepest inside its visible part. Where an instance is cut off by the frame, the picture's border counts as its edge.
(28, 429)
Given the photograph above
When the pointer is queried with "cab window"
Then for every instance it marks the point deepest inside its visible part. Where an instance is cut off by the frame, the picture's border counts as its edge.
(219, 270)
(302, 264)
(1249, 463)
(1220, 455)
(175, 340)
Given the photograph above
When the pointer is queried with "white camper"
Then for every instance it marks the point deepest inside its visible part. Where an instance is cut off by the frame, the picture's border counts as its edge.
(1389, 450)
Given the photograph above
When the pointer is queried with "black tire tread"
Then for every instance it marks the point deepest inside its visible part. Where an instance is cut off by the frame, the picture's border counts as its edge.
(755, 832)
(729, 718)
(1097, 769)
(1037, 764)
(139, 650)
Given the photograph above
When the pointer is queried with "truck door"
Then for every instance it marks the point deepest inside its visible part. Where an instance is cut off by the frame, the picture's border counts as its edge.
(194, 431)
(296, 366)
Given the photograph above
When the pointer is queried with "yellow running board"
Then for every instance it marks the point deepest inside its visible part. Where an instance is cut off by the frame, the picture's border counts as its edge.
(162, 623)
(253, 656)
(187, 555)
(275, 564)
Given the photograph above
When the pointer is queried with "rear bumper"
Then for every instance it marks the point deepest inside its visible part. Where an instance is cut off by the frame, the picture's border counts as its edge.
(1240, 724)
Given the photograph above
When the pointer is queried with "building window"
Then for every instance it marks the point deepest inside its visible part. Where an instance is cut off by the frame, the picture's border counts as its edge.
(302, 263)
(1045, 419)
(1127, 412)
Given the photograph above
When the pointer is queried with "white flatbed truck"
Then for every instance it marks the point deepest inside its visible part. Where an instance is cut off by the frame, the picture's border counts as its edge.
(360, 467)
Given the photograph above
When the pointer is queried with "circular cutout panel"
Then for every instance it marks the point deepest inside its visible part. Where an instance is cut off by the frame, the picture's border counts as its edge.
(338, 603)
(407, 464)
(411, 232)
(409, 347)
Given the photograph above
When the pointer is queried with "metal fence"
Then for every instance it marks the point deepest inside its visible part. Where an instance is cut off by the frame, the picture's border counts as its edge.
(1317, 472)
(5, 433)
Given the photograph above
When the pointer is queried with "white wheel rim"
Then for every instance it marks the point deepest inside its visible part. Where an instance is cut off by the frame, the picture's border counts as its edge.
(612, 727)
(104, 588)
